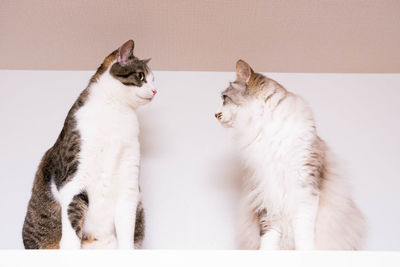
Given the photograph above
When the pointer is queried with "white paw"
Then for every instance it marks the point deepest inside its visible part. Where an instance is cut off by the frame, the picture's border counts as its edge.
(126, 245)
(270, 240)
(266, 245)
(70, 241)
(306, 244)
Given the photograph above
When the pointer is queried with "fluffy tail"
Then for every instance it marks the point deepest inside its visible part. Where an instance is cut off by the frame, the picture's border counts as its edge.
(340, 224)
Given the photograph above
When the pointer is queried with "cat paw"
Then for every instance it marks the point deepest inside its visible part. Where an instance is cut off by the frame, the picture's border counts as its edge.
(126, 245)
(70, 242)
(87, 239)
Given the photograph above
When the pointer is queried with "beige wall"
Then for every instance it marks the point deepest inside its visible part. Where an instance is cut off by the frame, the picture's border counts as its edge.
(273, 36)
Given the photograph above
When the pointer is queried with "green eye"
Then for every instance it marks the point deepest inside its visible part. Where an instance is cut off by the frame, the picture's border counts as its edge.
(140, 76)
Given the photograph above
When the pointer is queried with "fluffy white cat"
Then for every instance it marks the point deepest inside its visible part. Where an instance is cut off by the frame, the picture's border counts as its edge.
(293, 195)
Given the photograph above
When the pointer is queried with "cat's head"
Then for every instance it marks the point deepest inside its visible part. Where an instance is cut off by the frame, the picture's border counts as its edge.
(134, 74)
(239, 93)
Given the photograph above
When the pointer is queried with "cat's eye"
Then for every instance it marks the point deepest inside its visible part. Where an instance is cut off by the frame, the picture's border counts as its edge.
(140, 76)
(226, 99)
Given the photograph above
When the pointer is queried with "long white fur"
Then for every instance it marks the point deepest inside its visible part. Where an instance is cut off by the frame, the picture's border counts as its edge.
(275, 138)
(109, 164)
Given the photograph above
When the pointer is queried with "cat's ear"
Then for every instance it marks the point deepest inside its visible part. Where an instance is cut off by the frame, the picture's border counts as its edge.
(145, 61)
(125, 52)
(243, 71)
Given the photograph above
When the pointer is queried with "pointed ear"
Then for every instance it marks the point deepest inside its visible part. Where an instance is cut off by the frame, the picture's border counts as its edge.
(125, 52)
(243, 71)
(146, 60)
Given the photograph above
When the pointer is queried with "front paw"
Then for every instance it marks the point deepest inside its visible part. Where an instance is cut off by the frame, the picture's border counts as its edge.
(305, 244)
(270, 240)
(88, 239)
(126, 245)
(70, 242)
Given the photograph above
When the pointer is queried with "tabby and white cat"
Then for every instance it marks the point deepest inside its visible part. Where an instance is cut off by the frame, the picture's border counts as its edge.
(86, 190)
(294, 195)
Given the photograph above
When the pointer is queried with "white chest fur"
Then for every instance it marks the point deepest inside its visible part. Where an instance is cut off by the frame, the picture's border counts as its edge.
(109, 162)
(271, 142)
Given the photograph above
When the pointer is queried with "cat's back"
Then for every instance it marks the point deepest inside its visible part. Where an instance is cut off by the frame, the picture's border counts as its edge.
(287, 123)
(42, 225)
(289, 109)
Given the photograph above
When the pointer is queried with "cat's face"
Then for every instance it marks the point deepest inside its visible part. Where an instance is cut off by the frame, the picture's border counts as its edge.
(134, 74)
(236, 97)
(233, 98)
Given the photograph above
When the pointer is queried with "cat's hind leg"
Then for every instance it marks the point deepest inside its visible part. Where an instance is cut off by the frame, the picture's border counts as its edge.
(139, 226)
(248, 236)
(42, 225)
(76, 213)
(69, 238)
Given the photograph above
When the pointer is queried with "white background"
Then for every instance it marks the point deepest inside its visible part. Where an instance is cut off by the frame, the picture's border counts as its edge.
(186, 176)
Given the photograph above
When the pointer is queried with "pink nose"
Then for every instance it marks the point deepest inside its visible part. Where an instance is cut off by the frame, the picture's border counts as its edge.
(154, 92)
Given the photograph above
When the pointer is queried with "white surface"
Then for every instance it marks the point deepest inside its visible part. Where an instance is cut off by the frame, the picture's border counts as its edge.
(186, 182)
(197, 258)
